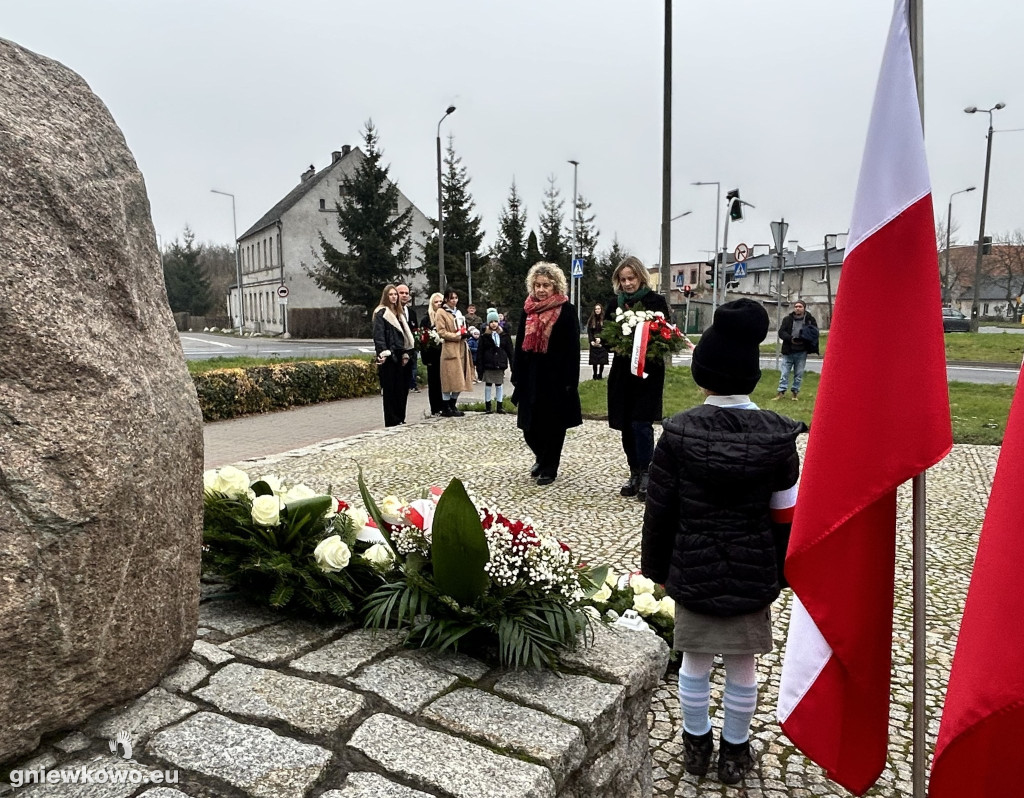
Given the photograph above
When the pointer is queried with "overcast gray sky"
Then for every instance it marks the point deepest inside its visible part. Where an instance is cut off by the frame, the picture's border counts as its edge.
(769, 97)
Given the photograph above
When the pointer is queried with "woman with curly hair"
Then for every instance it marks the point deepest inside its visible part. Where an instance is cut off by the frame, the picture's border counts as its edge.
(546, 369)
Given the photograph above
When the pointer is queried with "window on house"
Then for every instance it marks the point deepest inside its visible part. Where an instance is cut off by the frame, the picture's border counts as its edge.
(265, 260)
(271, 261)
(984, 311)
(323, 205)
(757, 278)
(693, 276)
(822, 273)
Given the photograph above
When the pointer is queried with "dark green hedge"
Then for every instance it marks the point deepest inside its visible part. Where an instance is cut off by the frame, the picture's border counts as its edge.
(229, 393)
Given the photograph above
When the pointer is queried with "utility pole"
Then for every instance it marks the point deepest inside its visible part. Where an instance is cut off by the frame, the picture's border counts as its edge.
(666, 160)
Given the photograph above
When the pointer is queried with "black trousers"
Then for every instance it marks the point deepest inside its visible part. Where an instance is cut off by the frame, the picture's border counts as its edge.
(434, 386)
(394, 384)
(545, 437)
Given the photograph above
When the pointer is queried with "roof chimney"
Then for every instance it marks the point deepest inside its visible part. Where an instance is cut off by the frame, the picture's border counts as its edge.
(345, 150)
(335, 156)
(307, 174)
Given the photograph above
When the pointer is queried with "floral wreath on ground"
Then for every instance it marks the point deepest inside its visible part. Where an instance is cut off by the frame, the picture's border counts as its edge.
(447, 573)
(634, 601)
(662, 336)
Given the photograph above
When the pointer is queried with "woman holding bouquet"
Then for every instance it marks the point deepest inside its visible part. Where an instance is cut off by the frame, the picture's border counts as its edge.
(634, 403)
(546, 369)
(393, 342)
(432, 357)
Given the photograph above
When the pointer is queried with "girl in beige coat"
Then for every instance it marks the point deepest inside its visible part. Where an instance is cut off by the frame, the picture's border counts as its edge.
(456, 362)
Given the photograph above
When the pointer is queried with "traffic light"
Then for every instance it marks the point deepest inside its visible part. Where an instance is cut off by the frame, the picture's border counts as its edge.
(986, 245)
(709, 280)
(735, 206)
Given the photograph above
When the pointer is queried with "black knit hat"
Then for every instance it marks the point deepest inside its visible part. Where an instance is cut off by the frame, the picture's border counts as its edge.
(727, 360)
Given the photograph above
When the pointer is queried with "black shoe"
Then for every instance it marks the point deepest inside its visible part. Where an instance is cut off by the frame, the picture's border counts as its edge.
(454, 410)
(487, 407)
(447, 412)
(545, 479)
(641, 488)
(632, 485)
(535, 470)
(697, 749)
(734, 761)
(500, 408)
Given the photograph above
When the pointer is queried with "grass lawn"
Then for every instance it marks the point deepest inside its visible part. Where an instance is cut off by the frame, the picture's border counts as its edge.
(979, 412)
(1005, 347)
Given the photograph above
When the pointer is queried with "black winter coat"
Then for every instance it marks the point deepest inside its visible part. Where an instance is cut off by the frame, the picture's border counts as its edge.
(386, 336)
(632, 398)
(708, 535)
(801, 344)
(491, 356)
(549, 383)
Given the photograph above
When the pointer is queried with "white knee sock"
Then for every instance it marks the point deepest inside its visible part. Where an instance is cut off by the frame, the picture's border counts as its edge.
(695, 692)
(740, 697)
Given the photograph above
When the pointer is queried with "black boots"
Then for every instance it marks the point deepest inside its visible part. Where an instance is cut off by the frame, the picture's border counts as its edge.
(632, 485)
(697, 752)
(641, 488)
(501, 407)
(449, 410)
(487, 407)
(734, 761)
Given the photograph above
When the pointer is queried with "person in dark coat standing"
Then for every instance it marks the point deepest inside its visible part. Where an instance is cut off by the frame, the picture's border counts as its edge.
(634, 403)
(393, 342)
(494, 356)
(598, 351)
(799, 335)
(432, 358)
(722, 489)
(546, 369)
(410, 317)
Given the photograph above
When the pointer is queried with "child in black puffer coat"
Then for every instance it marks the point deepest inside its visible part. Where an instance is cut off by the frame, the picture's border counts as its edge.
(494, 356)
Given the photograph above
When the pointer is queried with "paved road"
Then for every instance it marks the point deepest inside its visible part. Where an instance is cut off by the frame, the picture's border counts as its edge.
(203, 346)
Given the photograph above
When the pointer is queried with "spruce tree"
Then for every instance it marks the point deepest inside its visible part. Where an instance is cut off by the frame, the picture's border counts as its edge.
(594, 285)
(553, 238)
(507, 271)
(462, 231)
(188, 288)
(376, 234)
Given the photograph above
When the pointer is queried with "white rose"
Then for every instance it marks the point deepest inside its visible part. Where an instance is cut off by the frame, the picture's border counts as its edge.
(209, 480)
(359, 517)
(611, 579)
(266, 510)
(641, 584)
(645, 603)
(619, 313)
(603, 594)
(667, 607)
(332, 554)
(391, 509)
(296, 492)
(378, 555)
(626, 329)
(231, 481)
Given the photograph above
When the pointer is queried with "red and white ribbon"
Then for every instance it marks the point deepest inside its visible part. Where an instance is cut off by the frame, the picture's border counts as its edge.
(639, 358)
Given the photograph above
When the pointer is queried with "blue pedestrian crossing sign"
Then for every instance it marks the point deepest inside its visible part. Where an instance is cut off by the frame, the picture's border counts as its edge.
(577, 267)
(739, 270)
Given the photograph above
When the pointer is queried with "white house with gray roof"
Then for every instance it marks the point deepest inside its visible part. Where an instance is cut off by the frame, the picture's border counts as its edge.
(280, 247)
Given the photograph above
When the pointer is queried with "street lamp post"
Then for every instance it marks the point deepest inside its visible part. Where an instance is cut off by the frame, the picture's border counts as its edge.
(572, 248)
(718, 211)
(440, 209)
(975, 306)
(949, 223)
(238, 263)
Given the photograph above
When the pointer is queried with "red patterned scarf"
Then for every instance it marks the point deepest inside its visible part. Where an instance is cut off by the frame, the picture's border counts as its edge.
(540, 318)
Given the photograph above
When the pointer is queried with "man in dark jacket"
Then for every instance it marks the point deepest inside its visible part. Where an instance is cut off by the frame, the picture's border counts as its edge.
(799, 335)
(716, 522)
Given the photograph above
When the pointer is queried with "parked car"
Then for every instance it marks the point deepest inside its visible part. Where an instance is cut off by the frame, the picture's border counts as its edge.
(955, 321)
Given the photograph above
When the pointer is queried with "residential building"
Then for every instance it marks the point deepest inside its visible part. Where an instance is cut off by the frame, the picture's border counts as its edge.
(285, 242)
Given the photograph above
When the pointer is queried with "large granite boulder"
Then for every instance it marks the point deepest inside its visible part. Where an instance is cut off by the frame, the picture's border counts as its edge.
(100, 431)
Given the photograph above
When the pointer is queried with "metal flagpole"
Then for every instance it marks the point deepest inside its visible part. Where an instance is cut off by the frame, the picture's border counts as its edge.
(915, 26)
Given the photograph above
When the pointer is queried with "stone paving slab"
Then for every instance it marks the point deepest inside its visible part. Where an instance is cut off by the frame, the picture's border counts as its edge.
(371, 785)
(559, 694)
(275, 644)
(267, 695)
(347, 655)
(145, 715)
(251, 758)
(234, 617)
(211, 652)
(403, 683)
(442, 762)
(185, 677)
(502, 724)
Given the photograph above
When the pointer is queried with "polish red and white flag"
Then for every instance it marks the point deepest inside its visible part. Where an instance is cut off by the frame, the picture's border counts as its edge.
(980, 752)
(881, 417)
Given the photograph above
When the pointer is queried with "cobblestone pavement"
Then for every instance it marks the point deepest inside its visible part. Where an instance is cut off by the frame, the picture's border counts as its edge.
(487, 453)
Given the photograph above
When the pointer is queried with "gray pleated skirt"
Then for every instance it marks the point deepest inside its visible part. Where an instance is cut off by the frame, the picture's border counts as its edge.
(708, 634)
